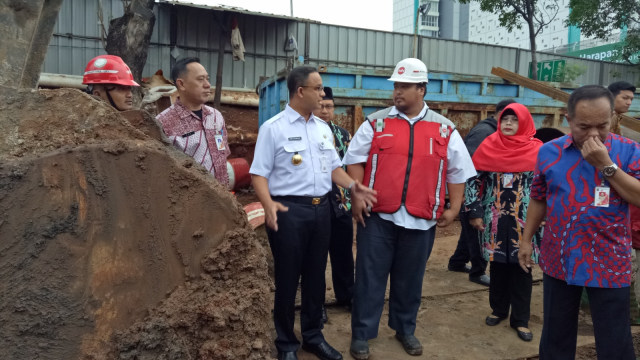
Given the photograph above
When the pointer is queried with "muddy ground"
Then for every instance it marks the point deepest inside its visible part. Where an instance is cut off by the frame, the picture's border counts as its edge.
(451, 319)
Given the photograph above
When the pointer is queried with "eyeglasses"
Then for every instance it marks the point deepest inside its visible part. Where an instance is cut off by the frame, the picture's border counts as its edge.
(328, 107)
(319, 89)
(509, 118)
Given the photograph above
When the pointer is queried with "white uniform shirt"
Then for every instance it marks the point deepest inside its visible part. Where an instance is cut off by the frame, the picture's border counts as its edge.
(279, 139)
(459, 166)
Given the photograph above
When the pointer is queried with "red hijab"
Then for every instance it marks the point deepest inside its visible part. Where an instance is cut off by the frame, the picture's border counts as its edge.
(516, 153)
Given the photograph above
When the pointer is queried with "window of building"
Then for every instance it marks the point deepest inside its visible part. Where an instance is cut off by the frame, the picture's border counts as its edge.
(430, 20)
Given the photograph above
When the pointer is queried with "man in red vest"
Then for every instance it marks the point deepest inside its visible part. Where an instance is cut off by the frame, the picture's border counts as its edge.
(410, 155)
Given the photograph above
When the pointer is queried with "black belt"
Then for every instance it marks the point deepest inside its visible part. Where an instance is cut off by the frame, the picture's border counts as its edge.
(308, 200)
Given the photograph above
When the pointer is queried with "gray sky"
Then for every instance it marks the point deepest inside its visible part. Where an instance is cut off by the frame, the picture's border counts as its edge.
(368, 14)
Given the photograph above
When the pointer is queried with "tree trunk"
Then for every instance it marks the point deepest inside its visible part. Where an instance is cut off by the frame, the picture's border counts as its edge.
(129, 35)
(532, 42)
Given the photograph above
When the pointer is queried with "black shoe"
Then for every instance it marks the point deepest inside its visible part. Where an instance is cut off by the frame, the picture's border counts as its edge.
(359, 349)
(287, 355)
(323, 351)
(480, 279)
(463, 269)
(410, 344)
(493, 321)
(524, 335)
(325, 317)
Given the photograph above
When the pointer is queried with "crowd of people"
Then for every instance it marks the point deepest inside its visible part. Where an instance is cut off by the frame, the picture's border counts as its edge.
(569, 205)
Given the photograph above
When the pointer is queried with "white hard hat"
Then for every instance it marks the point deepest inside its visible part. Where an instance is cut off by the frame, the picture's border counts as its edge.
(410, 70)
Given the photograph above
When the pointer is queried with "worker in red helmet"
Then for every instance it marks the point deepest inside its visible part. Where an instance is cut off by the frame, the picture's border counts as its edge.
(110, 79)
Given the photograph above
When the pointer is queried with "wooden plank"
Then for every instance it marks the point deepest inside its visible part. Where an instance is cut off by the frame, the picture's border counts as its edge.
(553, 93)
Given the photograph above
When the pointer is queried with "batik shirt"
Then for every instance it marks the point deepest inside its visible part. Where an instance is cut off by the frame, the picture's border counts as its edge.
(198, 137)
(584, 244)
(340, 197)
(501, 201)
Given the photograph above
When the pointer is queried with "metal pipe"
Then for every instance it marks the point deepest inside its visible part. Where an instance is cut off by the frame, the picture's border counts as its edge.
(61, 80)
(230, 96)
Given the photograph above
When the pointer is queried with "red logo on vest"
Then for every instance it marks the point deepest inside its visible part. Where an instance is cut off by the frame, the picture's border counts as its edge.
(401, 70)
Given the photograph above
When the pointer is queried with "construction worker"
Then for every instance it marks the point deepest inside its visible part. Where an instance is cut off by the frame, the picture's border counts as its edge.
(194, 128)
(341, 244)
(110, 79)
(294, 164)
(409, 154)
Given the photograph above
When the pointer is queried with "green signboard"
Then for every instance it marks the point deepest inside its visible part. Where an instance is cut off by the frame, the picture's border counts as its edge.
(550, 70)
(607, 52)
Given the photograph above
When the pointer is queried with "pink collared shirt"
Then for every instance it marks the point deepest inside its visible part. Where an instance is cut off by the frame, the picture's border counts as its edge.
(197, 137)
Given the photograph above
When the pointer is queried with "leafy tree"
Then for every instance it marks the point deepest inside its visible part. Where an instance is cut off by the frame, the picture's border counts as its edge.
(536, 14)
(600, 18)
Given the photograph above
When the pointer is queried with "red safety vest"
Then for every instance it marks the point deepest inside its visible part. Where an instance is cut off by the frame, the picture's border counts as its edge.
(407, 165)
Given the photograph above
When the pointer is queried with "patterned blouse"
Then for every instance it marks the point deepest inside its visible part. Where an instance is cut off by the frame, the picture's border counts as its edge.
(501, 200)
(340, 197)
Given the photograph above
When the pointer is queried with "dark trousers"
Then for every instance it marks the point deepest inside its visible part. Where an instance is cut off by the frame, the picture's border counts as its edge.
(386, 250)
(341, 256)
(468, 248)
(510, 287)
(609, 312)
(300, 248)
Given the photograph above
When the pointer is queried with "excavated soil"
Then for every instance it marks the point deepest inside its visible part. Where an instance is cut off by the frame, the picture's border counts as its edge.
(114, 245)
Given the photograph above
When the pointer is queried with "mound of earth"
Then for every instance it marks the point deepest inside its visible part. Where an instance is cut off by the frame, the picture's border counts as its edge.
(115, 245)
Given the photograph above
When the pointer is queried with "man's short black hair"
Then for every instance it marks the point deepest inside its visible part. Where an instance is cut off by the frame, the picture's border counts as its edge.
(328, 93)
(181, 67)
(588, 92)
(618, 86)
(503, 104)
(298, 77)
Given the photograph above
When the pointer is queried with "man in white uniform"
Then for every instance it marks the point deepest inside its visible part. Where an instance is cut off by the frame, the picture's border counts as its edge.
(293, 167)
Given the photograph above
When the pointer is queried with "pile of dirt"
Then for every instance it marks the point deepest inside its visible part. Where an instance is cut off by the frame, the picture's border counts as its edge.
(114, 245)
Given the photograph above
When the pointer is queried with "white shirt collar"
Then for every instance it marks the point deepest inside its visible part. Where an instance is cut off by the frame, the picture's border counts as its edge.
(293, 115)
(395, 112)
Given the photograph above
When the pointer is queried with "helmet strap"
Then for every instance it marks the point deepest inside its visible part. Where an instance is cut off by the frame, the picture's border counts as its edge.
(111, 99)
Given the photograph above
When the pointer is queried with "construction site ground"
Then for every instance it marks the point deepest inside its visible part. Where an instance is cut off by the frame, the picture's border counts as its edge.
(450, 322)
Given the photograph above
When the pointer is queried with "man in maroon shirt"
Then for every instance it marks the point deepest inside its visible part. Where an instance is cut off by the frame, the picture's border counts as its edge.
(196, 129)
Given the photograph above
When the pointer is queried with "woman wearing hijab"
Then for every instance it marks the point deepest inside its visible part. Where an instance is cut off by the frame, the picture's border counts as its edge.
(497, 200)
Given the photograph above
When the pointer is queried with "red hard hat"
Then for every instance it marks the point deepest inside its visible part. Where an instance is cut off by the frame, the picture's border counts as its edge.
(108, 69)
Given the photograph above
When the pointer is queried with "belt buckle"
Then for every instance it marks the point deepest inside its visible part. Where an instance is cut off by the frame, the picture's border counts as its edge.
(315, 201)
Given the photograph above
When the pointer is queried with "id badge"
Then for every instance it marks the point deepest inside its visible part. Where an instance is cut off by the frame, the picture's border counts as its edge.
(601, 196)
(507, 180)
(324, 167)
(379, 125)
(219, 142)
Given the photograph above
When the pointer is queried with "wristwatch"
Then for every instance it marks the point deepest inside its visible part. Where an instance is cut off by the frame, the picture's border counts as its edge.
(609, 170)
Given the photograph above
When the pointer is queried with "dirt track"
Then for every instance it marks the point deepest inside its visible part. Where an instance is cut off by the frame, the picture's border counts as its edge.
(451, 319)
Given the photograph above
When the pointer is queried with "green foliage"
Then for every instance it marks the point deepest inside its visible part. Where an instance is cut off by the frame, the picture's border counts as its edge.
(600, 18)
(512, 14)
(571, 72)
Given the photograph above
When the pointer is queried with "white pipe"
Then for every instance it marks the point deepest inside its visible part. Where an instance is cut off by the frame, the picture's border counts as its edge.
(75, 81)
(61, 80)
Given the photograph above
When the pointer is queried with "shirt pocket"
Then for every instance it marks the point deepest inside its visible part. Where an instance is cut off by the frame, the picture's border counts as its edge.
(437, 147)
(189, 142)
(296, 148)
(385, 141)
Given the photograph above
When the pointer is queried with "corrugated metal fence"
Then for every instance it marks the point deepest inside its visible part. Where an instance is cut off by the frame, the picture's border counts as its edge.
(196, 31)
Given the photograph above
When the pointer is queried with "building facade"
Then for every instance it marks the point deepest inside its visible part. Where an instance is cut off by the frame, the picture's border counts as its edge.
(447, 19)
